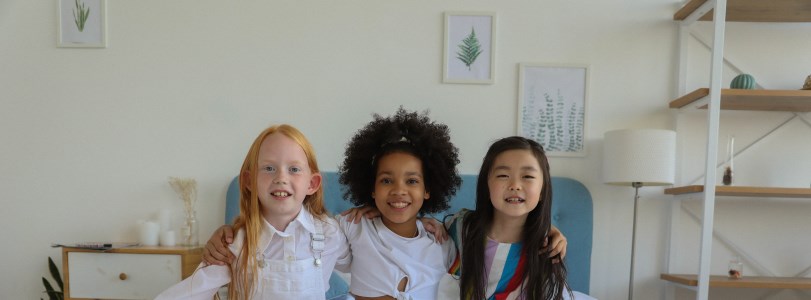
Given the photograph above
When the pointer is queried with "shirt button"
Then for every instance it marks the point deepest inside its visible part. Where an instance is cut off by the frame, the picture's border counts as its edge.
(288, 239)
(290, 258)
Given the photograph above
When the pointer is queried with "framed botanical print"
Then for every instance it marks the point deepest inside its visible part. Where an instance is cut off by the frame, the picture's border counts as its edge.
(469, 53)
(552, 107)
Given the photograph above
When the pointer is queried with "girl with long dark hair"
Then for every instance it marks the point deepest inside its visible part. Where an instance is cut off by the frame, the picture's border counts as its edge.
(498, 242)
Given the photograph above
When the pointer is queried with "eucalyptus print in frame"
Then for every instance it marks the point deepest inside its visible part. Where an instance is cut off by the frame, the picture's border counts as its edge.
(552, 107)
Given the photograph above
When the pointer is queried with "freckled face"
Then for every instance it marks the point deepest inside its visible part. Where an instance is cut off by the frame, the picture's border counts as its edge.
(399, 188)
(284, 177)
(515, 182)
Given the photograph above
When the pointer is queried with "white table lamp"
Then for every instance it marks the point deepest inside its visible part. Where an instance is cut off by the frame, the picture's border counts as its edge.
(636, 158)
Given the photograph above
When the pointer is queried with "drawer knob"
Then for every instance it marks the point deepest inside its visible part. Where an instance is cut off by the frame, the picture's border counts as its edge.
(122, 276)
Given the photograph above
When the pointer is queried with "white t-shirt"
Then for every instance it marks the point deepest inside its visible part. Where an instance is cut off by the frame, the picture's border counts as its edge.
(292, 244)
(381, 259)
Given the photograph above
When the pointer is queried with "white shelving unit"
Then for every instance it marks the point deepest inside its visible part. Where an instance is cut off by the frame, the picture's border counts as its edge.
(715, 99)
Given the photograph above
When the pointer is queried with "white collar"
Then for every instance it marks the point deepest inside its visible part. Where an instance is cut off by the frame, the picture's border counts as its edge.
(304, 219)
(378, 222)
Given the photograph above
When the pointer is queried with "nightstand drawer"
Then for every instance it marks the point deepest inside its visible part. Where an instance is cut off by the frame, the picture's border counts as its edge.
(122, 276)
(126, 273)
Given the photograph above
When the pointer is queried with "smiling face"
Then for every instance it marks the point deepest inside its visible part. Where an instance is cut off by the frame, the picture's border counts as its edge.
(399, 190)
(515, 182)
(283, 179)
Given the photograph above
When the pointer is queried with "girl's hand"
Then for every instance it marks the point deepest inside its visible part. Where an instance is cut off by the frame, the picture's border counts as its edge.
(435, 227)
(355, 214)
(216, 251)
(557, 245)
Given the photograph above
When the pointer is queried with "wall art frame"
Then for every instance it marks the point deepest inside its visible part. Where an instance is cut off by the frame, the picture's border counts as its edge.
(469, 48)
(552, 106)
(81, 23)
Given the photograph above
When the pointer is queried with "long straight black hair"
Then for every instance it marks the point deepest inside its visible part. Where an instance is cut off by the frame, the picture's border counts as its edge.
(542, 279)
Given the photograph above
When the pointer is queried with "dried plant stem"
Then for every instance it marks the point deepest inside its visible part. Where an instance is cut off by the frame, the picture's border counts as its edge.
(186, 188)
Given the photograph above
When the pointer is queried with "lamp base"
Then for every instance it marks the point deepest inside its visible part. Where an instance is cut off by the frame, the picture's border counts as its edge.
(636, 186)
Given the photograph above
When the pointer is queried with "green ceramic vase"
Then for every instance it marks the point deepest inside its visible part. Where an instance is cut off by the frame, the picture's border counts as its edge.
(743, 81)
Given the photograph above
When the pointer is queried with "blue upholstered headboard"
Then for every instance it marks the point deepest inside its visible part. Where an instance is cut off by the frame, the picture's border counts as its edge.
(571, 213)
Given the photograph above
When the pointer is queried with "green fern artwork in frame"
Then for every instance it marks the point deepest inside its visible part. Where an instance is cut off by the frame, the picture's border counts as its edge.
(80, 14)
(469, 49)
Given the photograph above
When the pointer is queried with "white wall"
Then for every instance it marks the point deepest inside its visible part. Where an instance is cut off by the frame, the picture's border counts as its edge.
(89, 136)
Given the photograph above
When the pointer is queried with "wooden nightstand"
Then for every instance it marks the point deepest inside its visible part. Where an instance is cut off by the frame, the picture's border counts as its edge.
(126, 273)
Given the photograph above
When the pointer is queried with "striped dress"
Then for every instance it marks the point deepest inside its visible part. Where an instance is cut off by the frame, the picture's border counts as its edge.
(503, 263)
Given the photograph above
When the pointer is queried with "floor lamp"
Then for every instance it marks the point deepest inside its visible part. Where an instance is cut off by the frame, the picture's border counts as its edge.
(637, 158)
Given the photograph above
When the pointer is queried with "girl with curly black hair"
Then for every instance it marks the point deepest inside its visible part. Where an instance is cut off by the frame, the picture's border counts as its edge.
(404, 165)
(404, 132)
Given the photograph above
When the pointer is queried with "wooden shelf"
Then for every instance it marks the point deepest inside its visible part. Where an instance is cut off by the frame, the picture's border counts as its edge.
(744, 282)
(755, 11)
(764, 100)
(186, 250)
(744, 191)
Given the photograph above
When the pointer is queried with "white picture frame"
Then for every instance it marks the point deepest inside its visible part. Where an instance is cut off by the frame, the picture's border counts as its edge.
(81, 23)
(469, 48)
(552, 106)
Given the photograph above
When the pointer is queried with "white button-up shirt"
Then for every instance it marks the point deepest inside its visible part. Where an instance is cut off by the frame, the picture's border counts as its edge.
(291, 244)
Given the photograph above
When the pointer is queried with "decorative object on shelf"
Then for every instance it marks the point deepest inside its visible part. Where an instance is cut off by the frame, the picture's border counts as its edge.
(735, 268)
(636, 158)
(728, 176)
(148, 232)
(186, 188)
(167, 238)
(743, 81)
(727, 179)
(807, 85)
(190, 230)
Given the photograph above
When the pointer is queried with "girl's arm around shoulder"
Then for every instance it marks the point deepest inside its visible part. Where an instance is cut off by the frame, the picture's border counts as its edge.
(201, 285)
(453, 224)
(456, 218)
(206, 280)
(348, 227)
(449, 252)
(336, 231)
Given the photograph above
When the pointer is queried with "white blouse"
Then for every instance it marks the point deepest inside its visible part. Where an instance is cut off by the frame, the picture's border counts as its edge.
(381, 259)
(292, 244)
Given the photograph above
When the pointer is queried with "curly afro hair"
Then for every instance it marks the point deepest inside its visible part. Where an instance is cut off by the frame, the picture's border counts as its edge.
(408, 132)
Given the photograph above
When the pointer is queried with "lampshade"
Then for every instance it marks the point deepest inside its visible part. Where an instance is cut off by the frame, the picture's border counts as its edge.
(647, 156)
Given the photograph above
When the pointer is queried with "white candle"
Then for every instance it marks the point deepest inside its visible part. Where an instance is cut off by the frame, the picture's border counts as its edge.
(148, 231)
(732, 152)
(167, 238)
(165, 218)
